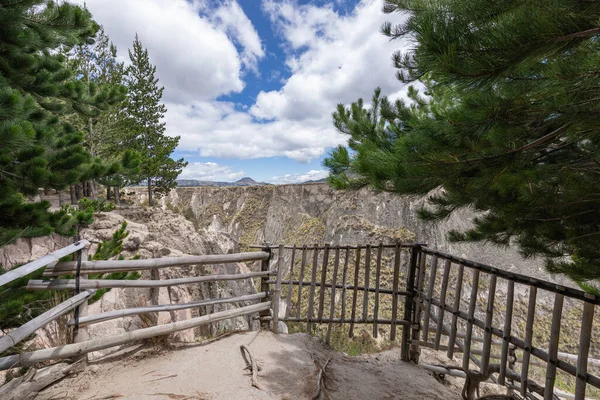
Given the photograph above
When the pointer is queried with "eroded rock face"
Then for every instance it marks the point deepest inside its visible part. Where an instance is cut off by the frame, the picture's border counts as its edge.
(310, 213)
(153, 233)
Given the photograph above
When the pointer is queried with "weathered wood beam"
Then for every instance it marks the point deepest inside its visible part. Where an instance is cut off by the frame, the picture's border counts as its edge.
(9, 340)
(91, 267)
(59, 284)
(94, 319)
(41, 262)
(70, 350)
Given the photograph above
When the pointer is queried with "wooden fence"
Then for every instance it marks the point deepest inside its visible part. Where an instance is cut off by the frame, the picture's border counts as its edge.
(531, 336)
(84, 288)
(449, 304)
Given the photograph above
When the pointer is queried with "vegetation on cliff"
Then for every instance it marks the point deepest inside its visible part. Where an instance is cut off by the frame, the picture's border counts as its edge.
(507, 124)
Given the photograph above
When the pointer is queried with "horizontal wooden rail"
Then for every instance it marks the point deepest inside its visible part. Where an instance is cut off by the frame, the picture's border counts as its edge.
(58, 284)
(563, 355)
(70, 350)
(94, 267)
(537, 352)
(344, 320)
(518, 278)
(342, 247)
(41, 262)
(24, 331)
(94, 319)
(349, 287)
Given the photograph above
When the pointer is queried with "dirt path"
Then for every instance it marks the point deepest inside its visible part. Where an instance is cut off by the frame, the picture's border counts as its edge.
(216, 371)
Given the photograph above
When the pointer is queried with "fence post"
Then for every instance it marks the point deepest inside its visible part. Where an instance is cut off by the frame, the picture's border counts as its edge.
(409, 304)
(277, 291)
(81, 334)
(264, 287)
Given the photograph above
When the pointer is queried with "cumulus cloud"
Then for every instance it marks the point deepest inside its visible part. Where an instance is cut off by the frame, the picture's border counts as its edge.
(204, 49)
(333, 59)
(191, 46)
(230, 18)
(312, 175)
(210, 171)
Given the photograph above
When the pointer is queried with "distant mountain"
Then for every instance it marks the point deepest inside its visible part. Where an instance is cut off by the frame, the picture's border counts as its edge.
(317, 181)
(246, 181)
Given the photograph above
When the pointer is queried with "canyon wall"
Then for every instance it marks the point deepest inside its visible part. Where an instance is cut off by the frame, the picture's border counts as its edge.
(315, 213)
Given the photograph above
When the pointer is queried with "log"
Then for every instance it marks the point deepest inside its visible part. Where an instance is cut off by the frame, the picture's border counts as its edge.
(92, 267)
(70, 350)
(584, 349)
(277, 291)
(22, 332)
(290, 286)
(445, 277)
(431, 284)
(354, 292)
(301, 277)
(345, 282)
(377, 282)
(528, 337)
(311, 293)
(471, 315)
(487, 335)
(454, 310)
(336, 265)
(29, 385)
(41, 262)
(324, 270)
(58, 284)
(365, 309)
(395, 283)
(94, 319)
(506, 331)
(553, 346)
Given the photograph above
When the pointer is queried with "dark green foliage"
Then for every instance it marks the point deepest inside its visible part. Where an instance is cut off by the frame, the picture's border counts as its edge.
(508, 124)
(99, 205)
(18, 305)
(37, 89)
(145, 127)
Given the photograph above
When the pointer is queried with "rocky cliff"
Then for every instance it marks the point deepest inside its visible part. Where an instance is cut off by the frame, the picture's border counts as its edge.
(315, 213)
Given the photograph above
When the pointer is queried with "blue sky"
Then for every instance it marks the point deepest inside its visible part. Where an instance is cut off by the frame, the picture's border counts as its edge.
(250, 85)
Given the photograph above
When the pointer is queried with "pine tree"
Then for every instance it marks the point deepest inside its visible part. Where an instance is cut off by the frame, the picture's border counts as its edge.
(37, 89)
(508, 124)
(145, 113)
(106, 134)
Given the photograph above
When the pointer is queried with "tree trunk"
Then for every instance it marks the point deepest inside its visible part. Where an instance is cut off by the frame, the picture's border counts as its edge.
(150, 199)
(78, 192)
(108, 193)
(61, 201)
(73, 194)
(46, 191)
(94, 190)
(117, 196)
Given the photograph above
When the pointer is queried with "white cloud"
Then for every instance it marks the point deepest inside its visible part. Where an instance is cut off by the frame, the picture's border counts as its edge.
(210, 171)
(230, 18)
(194, 56)
(333, 58)
(204, 49)
(312, 175)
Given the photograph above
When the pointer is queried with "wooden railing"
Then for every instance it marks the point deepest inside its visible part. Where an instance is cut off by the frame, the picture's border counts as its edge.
(463, 304)
(543, 333)
(84, 288)
(450, 304)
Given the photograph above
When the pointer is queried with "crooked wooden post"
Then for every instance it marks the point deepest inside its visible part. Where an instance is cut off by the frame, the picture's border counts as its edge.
(80, 333)
(277, 291)
(264, 287)
(409, 313)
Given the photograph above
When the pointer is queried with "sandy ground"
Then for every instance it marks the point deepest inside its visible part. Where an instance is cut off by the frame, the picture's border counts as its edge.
(216, 371)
